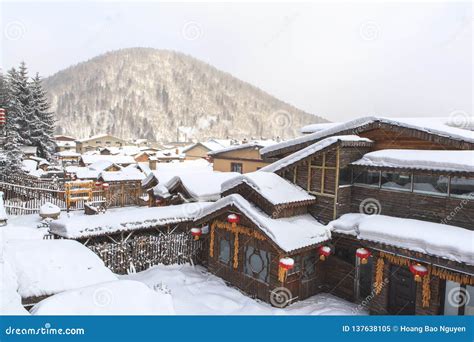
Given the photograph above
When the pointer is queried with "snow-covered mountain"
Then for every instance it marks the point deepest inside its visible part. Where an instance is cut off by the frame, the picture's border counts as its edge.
(149, 93)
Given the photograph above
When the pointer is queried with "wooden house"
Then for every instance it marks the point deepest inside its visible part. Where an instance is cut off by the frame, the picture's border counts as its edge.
(415, 174)
(251, 238)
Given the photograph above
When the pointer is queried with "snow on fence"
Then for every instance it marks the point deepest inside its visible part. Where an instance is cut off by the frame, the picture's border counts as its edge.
(27, 197)
(145, 250)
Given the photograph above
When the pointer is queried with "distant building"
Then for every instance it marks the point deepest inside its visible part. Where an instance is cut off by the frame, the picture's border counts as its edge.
(65, 143)
(98, 141)
(201, 149)
(242, 158)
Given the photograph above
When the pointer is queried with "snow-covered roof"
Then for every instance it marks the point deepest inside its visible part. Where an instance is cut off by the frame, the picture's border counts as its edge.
(98, 136)
(83, 172)
(445, 241)
(165, 171)
(119, 297)
(202, 186)
(253, 144)
(29, 165)
(116, 159)
(78, 225)
(125, 174)
(436, 127)
(308, 151)
(439, 160)
(68, 154)
(161, 191)
(210, 145)
(101, 165)
(289, 233)
(46, 267)
(272, 187)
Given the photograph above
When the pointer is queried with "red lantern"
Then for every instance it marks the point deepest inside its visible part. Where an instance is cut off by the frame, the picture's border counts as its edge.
(287, 263)
(324, 252)
(363, 254)
(196, 232)
(233, 218)
(2, 116)
(105, 186)
(419, 271)
(284, 265)
(98, 184)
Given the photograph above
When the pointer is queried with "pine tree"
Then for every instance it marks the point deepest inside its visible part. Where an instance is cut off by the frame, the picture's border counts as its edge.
(19, 103)
(15, 119)
(42, 120)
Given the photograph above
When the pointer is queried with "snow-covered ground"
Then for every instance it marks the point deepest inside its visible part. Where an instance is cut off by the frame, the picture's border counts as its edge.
(197, 292)
(192, 290)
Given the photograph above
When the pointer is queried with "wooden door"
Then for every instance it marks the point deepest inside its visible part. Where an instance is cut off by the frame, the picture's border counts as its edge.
(402, 292)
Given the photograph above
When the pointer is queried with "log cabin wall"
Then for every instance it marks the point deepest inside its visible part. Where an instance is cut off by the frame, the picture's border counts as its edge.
(416, 206)
(339, 269)
(320, 175)
(251, 195)
(305, 280)
(233, 272)
(379, 304)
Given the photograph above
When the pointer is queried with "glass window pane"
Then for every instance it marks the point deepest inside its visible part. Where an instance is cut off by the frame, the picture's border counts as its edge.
(345, 175)
(224, 251)
(469, 308)
(309, 265)
(256, 263)
(450, 307)
(428, 184)
(396, 181)
(366, 177)
(462, 187)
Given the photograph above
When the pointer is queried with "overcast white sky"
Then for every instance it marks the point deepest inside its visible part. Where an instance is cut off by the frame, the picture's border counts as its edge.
(335, 60)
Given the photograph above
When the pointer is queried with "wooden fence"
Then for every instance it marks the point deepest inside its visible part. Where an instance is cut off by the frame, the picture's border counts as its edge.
(140, 251)
(24, 199)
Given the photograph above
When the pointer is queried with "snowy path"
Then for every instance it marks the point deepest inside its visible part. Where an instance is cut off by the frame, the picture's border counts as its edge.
(197, 292)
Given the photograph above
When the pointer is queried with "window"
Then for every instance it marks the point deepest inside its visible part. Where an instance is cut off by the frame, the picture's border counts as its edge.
(345, 175)
(236, 167)
(462, 187)
(427, 184)
(396, 181)
(309, 266)
(256, 263)
(458, 299)
(345, 254)
(371, 178)
(225, 251)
